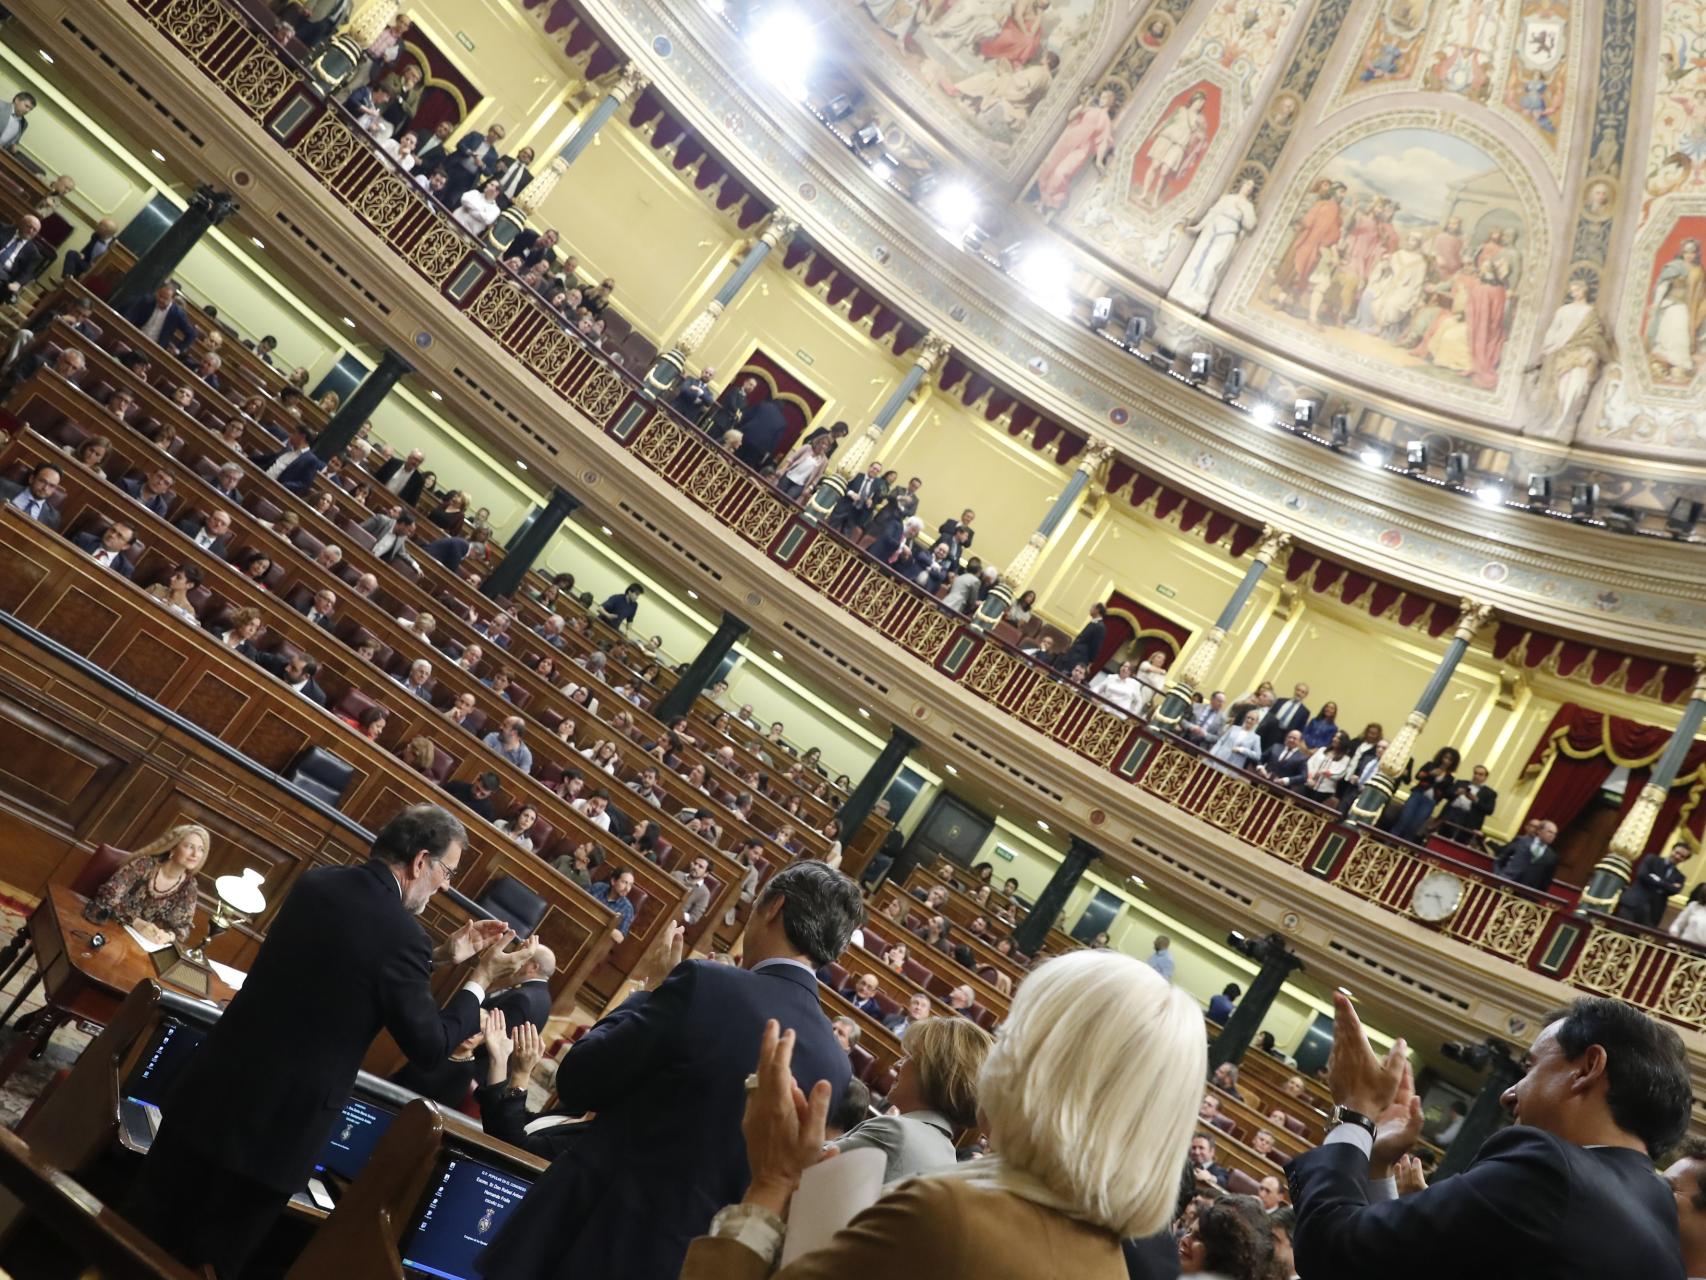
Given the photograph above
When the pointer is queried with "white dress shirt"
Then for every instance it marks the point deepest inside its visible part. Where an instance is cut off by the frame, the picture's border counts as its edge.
(476, 212)
(1123, 691)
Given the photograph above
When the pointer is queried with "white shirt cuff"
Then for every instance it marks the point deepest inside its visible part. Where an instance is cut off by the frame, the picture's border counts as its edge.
(1352, 1135)
(1382, 1189)
(480, 993)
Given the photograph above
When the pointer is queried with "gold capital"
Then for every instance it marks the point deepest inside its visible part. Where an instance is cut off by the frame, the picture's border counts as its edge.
(1273, 541)
(932, 349)
(629, 81)
(1095, 456)
(779, 227)
(1474, 618)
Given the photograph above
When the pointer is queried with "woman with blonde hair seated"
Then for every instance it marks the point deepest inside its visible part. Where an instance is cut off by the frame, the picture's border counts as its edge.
(1088, 1098)
(154, 891)
(936, 1093)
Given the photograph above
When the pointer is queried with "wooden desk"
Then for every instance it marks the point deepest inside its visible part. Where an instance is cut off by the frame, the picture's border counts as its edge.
(80, 980)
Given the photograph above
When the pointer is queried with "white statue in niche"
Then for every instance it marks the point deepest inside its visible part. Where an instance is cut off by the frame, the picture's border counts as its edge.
(1228, 220)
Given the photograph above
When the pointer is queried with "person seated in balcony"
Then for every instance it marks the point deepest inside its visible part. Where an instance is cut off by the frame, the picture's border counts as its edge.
(368, 104)
(1239, 745)
(154, 890)
(432, 145)
(895, 545)
(1471, 804)
(406, 88)
(932, 570)
(1206, 720)
(1530, 859)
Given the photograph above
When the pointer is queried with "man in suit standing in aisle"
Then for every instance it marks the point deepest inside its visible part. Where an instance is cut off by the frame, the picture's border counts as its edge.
(1087, 644)
(664, 1077)
(1568, 1190)
(1658, 878)
(1530, 859)
(344, 958)
(1283, 717)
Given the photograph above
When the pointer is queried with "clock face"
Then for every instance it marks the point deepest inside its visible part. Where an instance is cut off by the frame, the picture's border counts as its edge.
(1437, 896)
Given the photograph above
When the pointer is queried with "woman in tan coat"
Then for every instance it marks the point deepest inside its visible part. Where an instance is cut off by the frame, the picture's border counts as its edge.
(1087, 1097)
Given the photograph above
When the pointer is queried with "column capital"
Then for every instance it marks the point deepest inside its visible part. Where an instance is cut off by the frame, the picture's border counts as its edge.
(1699, 693)
(1273, 541)
(933, 348)
(1473, 621)
(777, 228)
(217, 205)
(1097, 453)
(629, 81)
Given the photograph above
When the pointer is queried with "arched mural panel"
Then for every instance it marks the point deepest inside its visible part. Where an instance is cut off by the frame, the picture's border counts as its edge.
(1408, 250)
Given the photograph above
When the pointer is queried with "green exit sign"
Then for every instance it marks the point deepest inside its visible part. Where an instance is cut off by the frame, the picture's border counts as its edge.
(1162, 589)
(463, 40)
(805, 357)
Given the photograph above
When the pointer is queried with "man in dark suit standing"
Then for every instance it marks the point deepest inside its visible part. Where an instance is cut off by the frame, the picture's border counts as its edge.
(1530, 859)
(344, 958)
(732, 404)
(1658, 878)
(1471, 804)
(853, 511)
(1088, 642)
(1566, 1191)
(761, 431)
(664, 1077)
(1286, 763)
(1283, 717)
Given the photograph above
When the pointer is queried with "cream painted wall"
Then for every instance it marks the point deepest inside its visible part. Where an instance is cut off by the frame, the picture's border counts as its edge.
(625, 212)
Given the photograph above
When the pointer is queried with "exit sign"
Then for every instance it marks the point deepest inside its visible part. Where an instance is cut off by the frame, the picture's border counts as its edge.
(805, 357)
(1162, 589)
(463, 40)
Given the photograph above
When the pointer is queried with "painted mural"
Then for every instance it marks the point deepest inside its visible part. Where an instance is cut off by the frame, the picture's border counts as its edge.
(991, 71)
(1161, 166)
(1408, 250)
(1676, 149)
(1392, 48)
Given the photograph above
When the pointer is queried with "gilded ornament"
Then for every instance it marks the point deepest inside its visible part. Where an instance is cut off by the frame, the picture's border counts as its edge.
(990, 671)
(1101, 738)
(1046, 704)
(437, 252)
(601, 393)
(1170, 774)
(928, 633)
(709, 482)
(822, 562)
(658, 444)
(1684, 995)
(259, 81)
(1514, 927)
(549, 352)
(875, 597)
(762, 521)
(1293, 834)
(194, 23)
(1369, 869)
(384, 201)
(1607, 962)
(497, 306)
(1230, 804)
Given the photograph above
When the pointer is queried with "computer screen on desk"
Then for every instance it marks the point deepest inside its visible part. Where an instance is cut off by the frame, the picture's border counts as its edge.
(463, 1213)
(352, 1142)
(157, 1070)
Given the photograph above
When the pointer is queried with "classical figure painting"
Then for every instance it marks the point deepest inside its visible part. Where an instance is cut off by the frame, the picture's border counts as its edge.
(1168, 158)
(990, 65)
(1674, 323)
(1408, 248)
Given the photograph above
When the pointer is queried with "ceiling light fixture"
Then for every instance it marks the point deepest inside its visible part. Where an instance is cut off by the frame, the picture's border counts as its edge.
(1373, 458)
(1304, 411)
(950, 768)
(157, 155)
(1456, 467)
(1200, 362)
(1339, 430)
(1045, 826)
(46, 56)
(1233, 386)
(692, 595)
(1416, 455)
(348, 323)
(1583, 499)
(1539, 490)
(256, 242)
(1263, 414)
(880, 171)
(864, 713)
(783, 45)
(435, 395)
(776, 654)
(955, 208)
(521, 464)
(1492, 494)
(604, 529)
(1684, 515)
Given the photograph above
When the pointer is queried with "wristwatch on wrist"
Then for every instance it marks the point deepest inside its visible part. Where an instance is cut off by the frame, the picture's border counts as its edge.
(1344, 1115)
(753, 1226)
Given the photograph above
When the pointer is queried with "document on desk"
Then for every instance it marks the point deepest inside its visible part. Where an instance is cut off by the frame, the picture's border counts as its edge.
(830, 1195)
(144, 943)
(232, 978)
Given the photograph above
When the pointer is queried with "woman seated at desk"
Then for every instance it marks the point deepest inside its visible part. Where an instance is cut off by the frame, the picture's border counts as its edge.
(155, 891)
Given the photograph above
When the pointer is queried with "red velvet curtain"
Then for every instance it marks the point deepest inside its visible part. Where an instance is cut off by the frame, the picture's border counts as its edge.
(448, 95)
(1166, 633)
(799, 403)
(1574, 779)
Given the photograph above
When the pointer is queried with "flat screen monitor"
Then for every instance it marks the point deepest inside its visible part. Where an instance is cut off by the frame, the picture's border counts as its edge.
(160, 1065)
(462, 1214)
(352, 1142)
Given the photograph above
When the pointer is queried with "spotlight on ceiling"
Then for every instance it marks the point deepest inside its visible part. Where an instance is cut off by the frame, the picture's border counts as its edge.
(783, 46)
(1684, 515)
(1622, 519)
(1456, 468)
(881, 170)
(1339, 430)
(1101, 311)
(1263, 414)
(1584, 499)
(1539, 491)
(1416, 455)
(1304, 411)
(1136, 330)
(1372, 458)
(1233, 387)
(838, 108)
(867, 135)
(955, 209)
(1200, 361)
(1492, 494)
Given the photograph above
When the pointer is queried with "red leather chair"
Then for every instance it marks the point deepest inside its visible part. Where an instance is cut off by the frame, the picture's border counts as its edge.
(1240, 1183)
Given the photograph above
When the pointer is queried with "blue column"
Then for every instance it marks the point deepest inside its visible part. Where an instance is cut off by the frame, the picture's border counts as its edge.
(664, 374)
(1012, 582)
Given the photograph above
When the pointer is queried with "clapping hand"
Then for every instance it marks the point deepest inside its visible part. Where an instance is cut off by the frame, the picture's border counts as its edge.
(529, 1048)
(784, 1128)
(1397, 1128)
(498, 1044)
(1411, 1179)
(666, 955)
(496, 963)
(471, 939)
(1359, 1079)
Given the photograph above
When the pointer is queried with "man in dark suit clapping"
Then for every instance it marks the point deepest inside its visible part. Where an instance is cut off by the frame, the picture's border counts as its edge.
(1530, 859)
(1283, 717)
(664, 1077)
(1567, 1191)
(344, 958)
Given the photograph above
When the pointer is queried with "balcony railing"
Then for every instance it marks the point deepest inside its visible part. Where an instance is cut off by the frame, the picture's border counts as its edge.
(1542, 933)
